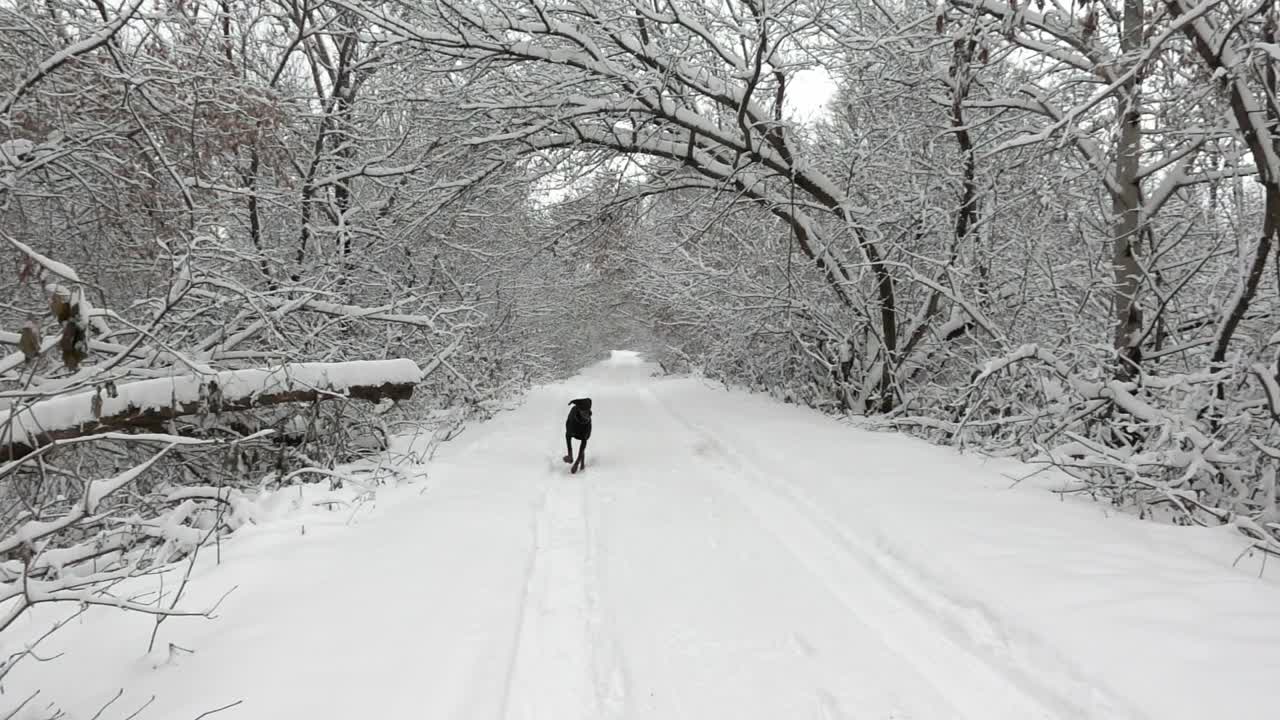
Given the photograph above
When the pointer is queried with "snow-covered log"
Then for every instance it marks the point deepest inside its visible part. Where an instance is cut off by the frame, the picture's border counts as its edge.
(151, 404)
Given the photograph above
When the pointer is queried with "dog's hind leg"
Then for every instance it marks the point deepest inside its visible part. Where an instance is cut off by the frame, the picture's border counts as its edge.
(568, 446)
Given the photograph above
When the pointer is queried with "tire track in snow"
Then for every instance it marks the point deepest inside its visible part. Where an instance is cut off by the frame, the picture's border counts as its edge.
(1039, 670)
(642, 671)
(973, 685)
(552, 676)
(606, 657)
(781, 645)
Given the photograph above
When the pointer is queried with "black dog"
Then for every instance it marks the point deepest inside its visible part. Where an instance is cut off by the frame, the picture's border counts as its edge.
(578, 425)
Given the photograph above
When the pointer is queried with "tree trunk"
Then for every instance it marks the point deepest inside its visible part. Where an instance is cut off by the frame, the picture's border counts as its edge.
(133, 406)
(1126, 207)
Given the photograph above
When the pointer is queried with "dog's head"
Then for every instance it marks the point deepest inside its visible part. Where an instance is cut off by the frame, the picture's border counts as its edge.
(582, 405)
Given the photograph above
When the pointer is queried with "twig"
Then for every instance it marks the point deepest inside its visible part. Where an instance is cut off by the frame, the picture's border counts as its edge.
(138, 712)
(31, 647)
(207, 713)
(118, 695)
(14, 712)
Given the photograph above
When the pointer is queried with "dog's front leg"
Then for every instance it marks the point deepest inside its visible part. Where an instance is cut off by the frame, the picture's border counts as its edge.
(581, 464)
(568, 448)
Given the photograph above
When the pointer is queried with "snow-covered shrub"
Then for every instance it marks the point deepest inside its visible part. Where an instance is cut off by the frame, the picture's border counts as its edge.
(1184, 447)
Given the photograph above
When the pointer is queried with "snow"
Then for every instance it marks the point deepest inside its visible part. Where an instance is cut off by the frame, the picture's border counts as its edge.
(13, 152)
(722, 556)
(98, 490)
(623, 357)
(53, 266)
(68, 411)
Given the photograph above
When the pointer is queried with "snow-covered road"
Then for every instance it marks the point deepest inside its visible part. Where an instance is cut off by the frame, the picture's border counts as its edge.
(721, 557)
(676, 581)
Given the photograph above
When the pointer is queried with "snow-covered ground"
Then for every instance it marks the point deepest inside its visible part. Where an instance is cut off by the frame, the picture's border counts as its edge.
(723, 556)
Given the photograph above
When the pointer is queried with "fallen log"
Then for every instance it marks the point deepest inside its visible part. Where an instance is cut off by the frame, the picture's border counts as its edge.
(149, 405)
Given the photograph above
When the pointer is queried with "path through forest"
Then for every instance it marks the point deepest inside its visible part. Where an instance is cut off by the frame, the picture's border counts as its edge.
(723, 556)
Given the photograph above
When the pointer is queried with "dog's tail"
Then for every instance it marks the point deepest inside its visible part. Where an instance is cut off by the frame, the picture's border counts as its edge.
(584, 402)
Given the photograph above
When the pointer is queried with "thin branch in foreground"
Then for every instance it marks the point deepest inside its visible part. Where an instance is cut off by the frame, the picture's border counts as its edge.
(119, 694)
(138, 712)
(208, 713)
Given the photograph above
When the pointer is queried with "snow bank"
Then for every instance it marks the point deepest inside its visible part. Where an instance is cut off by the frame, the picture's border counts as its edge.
(1110, 615)
(299, 534)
